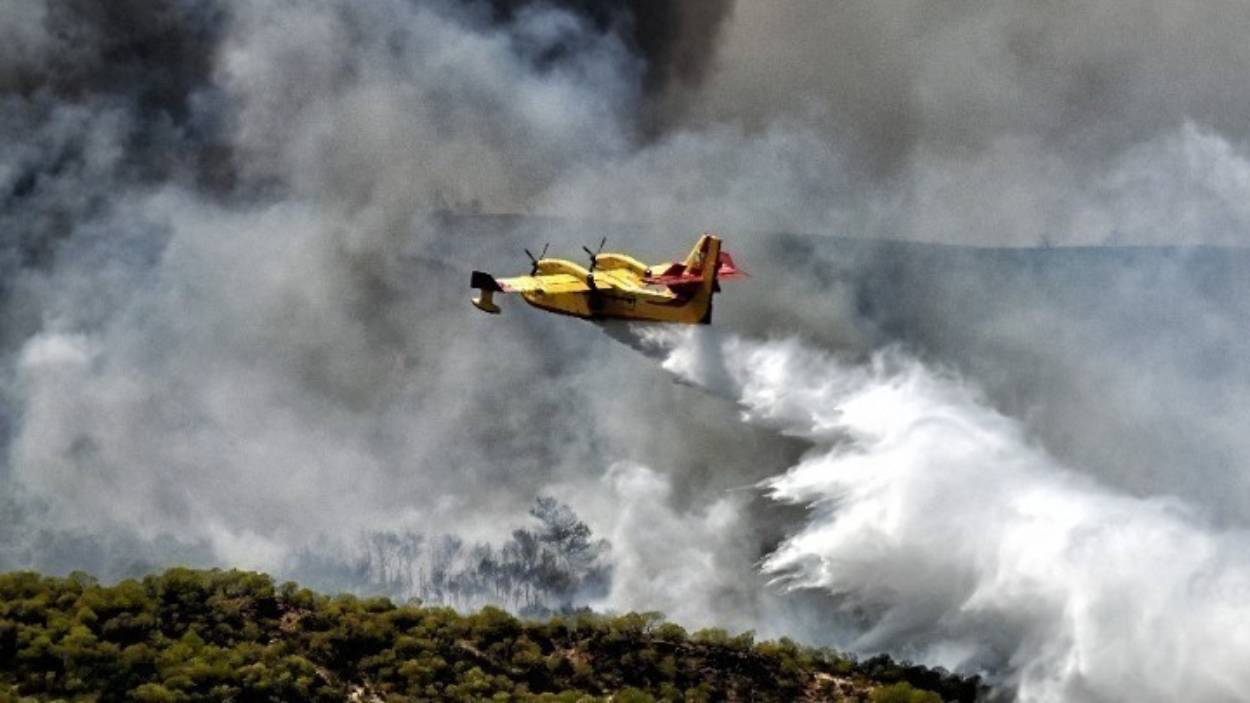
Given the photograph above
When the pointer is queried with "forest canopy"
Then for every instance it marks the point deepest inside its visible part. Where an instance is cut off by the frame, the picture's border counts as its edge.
(188, 635)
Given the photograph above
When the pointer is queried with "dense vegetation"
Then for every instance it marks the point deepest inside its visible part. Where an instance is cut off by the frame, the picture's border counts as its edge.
(228, 635)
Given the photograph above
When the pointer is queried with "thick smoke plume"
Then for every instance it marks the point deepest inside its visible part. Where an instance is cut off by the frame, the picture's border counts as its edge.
(235, 236)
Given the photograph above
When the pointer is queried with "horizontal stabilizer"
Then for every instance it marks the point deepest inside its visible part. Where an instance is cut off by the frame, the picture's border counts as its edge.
(678, 276)
(728, 269)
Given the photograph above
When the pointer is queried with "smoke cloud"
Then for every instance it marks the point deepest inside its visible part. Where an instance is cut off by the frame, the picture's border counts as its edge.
(234, 239)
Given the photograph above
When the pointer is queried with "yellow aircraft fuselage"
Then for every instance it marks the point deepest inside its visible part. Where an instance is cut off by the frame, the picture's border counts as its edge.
(620, 287)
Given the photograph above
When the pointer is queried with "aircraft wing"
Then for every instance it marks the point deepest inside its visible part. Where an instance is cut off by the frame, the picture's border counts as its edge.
(557, 283)
(548, 283)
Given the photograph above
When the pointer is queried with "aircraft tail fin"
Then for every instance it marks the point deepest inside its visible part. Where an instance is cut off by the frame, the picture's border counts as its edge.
(706, 259)
(694, 259)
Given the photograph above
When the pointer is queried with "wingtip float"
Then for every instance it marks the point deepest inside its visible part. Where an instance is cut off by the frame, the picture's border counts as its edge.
(618, 286)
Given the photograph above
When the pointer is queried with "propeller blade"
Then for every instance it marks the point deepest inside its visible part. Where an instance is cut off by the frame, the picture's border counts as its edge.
(594, 255)
(544, 254)
(531, 256)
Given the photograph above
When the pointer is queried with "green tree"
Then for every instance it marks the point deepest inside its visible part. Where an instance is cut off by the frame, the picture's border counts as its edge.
(903, 693)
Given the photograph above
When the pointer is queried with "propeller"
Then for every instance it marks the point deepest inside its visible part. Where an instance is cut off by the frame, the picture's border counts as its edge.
(594, 255)
(534, 259)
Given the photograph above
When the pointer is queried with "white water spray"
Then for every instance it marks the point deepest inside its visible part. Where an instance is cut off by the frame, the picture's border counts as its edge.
(958, 540)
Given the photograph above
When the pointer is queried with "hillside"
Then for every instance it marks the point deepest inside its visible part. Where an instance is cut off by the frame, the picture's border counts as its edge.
(228, 635)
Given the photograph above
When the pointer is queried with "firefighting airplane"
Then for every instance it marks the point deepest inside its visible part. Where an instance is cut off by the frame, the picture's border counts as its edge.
(618, 286)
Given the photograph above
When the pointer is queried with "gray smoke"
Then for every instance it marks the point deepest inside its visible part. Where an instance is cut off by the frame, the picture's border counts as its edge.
(245, 369)
(234, 239)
